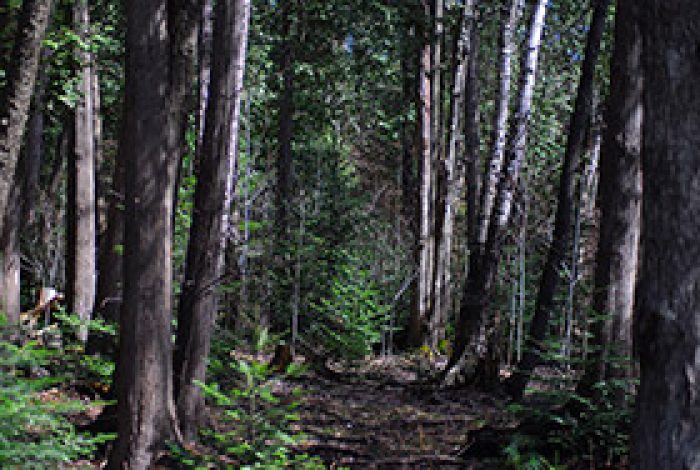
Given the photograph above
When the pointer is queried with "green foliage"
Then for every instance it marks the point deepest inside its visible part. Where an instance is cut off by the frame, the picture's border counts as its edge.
(35, 431)
(589, 429)
(348, 322)
(255, 425)
(529, 461)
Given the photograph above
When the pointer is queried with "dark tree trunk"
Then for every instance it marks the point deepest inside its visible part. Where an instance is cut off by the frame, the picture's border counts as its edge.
(35, 151)
(17, 94)
(284, 138)
(183, 28)
(109, 279)
(472, 120)
(145, 407)
(563, 226)
(205, 251)
(667, 332)
(81, 262)
(619, 199)
(281, 305)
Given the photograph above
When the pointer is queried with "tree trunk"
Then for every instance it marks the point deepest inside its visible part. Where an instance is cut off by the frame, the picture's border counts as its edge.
(479, 287)
(35, 151)
(667, 332)
(450, 181)
(17, 93)
(145, 408)
(183, 28)
(281, 302)
(204, 67)
(81, 263)
(110, 259)
(498, 145)
(563, 227)
(10, 254)
(419, 315)
(472, 142)
(619, 199)
(199, 301)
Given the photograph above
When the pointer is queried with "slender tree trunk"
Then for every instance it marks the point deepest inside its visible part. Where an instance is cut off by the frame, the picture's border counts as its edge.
(198, 301)
(667, 332)
(10, 254)
(443, 252)
(472, 141)
(183, 26)
(145, 407)
(204, 66)
(563, 226)
(417, 326)
(109, 279)
(81, 264)
(619, 199)
(479, 286)
(281, 306)
(35, 151)
(513, 10)
(17, 93)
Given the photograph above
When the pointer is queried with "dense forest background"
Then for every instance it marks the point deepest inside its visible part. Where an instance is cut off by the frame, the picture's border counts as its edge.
(274, 234)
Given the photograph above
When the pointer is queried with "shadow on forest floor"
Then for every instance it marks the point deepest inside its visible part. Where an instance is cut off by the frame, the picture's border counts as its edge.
(379, 415)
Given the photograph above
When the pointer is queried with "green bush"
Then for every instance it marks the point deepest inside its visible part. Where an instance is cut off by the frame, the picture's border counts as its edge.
(582, 429)
(348, 322)
(255, 425)
(35, 431)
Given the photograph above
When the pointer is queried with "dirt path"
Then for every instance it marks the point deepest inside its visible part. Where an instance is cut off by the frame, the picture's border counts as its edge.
(379, 416)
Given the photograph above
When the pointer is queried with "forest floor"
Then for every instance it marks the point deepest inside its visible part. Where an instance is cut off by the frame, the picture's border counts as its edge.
(382, 414)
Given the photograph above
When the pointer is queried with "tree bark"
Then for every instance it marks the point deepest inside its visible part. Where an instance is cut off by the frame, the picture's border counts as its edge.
(563, 227)
(619, 200)
(110, 259)
(667, 331)
(145, 407)
(281, 303)
(443, 252)
(479, 286)
(81, 264)
(419, 316)
(10, 254)
(500, 128)
(183, 28)
(472, 142)
(199, 301)
(17, 94)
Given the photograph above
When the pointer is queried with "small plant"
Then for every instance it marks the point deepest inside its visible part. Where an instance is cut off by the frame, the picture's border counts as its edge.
(255, 426)
(35, 431)
(348, 322)
(526, 461)
(592, 430)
